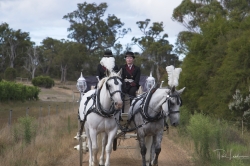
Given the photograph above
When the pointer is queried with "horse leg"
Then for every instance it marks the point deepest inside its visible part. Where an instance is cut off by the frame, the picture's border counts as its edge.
(152, 151)
(111, 136)
(148, 143)
(90, 146)
(104, 142)
(93, 136)
(141, 139)
(157, 139)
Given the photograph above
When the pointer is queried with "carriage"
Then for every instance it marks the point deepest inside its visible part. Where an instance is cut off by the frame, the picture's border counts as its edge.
(107, 111)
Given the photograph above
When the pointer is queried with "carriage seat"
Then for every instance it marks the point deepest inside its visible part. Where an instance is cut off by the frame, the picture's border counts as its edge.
(126, 103)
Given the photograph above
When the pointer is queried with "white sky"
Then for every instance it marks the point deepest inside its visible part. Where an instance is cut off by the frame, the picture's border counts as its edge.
(43, 18)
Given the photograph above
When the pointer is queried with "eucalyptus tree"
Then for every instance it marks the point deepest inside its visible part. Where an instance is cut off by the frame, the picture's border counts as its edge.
(155, 47)
(88, 27)
(191, 13)
(13, 42)
(49, 52)
(32, 62)
(3, 30)
(66, 52)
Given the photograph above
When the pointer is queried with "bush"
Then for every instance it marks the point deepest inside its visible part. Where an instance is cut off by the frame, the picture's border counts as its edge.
(43, 81)
(25, 129)
(18, 92)
(203, 131)
(10, 74)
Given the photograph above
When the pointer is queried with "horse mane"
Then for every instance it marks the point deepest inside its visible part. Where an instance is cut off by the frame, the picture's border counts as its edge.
(101, 82)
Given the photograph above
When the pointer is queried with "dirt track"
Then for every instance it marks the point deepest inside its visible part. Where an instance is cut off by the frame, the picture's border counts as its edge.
(171, 155)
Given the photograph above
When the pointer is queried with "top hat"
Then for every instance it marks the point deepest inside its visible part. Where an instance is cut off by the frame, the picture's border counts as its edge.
(130, 54)
(108, 54)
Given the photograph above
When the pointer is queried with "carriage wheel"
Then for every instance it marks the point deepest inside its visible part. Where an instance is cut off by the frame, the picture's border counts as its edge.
(80, 150)
(115, 144)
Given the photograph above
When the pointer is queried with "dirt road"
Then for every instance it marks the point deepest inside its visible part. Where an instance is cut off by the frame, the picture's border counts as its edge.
(171, 155)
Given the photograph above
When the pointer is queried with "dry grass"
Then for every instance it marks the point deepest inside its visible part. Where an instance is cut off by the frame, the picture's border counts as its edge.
(54, 138)
(184, 143)
(55, 119)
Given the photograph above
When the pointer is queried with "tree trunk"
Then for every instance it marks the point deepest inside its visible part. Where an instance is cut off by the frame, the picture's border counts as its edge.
(33, 73)
(158, 75)
(63, 73)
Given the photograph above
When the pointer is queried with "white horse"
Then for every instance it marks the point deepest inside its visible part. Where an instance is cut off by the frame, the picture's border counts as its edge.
(99, 110)
(147, 114)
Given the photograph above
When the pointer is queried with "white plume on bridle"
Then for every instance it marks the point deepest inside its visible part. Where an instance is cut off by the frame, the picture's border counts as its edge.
(173, 75)
(150, 78)
(108, 62)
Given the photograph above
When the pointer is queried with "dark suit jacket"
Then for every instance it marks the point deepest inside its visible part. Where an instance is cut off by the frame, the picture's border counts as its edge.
(101, 71)
(133, 74)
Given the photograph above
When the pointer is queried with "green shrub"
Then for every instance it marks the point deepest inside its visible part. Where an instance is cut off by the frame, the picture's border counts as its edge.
(184, 121)
(203, 131)
(25, 129)
(43, 81)
(16, 91)
(10, 74)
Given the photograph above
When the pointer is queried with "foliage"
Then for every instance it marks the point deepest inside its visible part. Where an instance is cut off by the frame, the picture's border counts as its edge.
(10, 74)
(155, 47)
(202, 132)
(18, 92)
(216, 48)
(240, 106)
(185, 116)
(26, 130)
(89, 28)
(13, 43)
(43, 81)
(212, 137)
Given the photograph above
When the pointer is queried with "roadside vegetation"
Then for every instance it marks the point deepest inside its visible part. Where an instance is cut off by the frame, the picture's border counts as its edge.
(33, 142)
(11, 91)
(211, 141)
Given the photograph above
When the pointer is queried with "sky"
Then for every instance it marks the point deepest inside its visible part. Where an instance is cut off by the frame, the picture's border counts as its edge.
(44, 18)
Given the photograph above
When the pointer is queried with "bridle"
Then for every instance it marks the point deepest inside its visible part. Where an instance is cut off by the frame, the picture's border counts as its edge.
(179, 102)
(116, 83)
(111, 111)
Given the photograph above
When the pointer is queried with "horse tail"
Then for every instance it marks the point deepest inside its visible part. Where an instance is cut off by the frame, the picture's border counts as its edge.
(148, 142)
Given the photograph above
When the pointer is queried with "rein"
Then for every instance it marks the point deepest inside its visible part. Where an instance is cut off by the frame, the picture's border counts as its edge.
(111, 111)
(143, 109)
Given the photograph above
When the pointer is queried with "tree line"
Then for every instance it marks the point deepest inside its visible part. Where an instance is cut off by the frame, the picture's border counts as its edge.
(90, 33)
(217, 48)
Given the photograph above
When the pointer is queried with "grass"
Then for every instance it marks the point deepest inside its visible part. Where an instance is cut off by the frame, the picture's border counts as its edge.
(41, 132)
(233, 143)
(54, 137)
(36, 109)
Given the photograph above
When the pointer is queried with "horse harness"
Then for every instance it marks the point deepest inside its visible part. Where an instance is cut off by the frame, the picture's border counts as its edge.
(97, 108)
(143, 109)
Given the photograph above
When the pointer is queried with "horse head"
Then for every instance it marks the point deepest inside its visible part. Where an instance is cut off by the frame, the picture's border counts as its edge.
(111, 88)
(173, 104)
